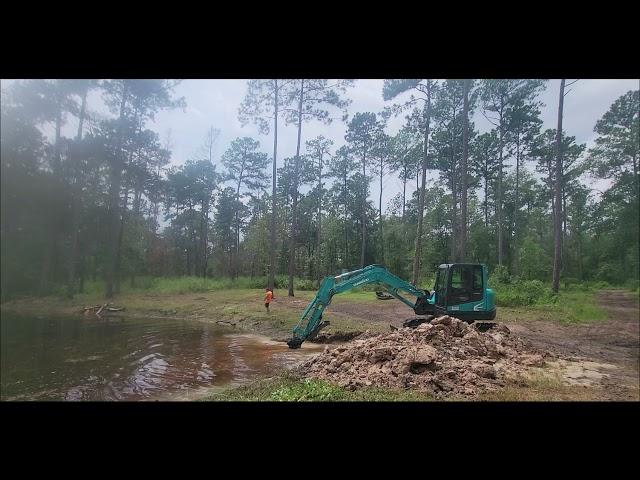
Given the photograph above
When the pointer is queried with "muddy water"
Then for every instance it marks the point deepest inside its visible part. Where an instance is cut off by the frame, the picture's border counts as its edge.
(130, 359)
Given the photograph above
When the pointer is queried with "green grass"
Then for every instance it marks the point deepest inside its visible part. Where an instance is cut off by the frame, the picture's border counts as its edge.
(569, 307)
(574, 303)
(170, 285)
(292, 388)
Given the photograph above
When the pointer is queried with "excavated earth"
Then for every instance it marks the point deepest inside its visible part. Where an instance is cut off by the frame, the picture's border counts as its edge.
(444, 357)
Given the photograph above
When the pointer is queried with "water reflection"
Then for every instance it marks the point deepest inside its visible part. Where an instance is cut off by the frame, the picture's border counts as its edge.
(124, 359)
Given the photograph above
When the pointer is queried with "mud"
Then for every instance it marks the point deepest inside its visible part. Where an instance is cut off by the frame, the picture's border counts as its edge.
(335, 337)
(444, 357)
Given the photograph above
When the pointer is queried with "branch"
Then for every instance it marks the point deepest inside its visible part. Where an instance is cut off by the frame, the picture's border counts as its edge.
(490, 120)
(568, 85)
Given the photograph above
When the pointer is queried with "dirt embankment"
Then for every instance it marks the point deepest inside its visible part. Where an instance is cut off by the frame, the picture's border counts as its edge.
(444, 357)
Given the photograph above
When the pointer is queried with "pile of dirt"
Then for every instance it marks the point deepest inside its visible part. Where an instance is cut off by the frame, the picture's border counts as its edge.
(444, 357)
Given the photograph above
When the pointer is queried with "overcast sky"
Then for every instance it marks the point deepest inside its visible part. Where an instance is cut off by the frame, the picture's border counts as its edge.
(214, 103)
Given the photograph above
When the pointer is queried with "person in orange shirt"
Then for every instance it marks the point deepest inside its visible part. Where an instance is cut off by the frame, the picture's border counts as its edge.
(267, 298)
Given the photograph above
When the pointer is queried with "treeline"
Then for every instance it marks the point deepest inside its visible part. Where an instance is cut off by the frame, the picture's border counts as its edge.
(105, 204)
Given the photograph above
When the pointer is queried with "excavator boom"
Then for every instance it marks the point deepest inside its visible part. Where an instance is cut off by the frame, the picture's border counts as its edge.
(311, 319)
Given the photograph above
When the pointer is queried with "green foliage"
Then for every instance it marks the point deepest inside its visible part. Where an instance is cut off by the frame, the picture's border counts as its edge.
(500, 275)
(308, 390)
(522, 293)
(534, 262)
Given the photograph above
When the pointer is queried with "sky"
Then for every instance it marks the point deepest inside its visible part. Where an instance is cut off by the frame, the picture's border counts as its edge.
(215, 103)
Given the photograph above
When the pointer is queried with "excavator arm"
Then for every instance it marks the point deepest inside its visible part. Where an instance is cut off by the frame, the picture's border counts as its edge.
(311, 319)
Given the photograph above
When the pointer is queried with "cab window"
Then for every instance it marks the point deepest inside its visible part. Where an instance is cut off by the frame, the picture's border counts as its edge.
(465, 284)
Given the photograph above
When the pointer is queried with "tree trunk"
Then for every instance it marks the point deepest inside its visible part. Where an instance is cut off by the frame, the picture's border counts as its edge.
(380, 212)
(52, 227)
(563, 255)
(237, 239)
(454, 194)
(204, 234)
(294, 206)
(120, 237)
(404, 193)
(345, 263)
(272, 248)
(486, 200)
(364, 208)
(454, 221)
(557, 220)
(114, 199)
(465, 157)
(319, 239)
(516, 211)
(499, 195)
(75, 207)
(418, 244)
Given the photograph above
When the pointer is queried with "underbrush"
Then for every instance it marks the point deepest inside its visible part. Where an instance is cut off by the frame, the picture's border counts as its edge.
(168, 285)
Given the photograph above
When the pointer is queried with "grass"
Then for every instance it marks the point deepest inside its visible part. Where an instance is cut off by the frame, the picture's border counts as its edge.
(575, 303)
(290, 387)
(542, 386)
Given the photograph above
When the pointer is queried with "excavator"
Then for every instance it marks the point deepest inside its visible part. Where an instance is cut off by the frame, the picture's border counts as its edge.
(461, 290)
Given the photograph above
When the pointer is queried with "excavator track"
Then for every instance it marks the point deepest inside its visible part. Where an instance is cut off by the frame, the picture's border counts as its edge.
(484, 326)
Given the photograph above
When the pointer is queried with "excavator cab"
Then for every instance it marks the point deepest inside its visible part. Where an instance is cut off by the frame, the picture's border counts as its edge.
(461, 290)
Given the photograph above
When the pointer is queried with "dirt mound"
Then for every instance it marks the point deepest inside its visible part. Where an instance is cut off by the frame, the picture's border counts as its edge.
(446, 356)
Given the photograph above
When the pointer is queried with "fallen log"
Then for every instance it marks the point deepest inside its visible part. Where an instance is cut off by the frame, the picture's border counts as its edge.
(98, 309)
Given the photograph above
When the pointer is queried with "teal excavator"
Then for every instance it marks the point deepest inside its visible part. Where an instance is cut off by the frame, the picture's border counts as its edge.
(461, 290)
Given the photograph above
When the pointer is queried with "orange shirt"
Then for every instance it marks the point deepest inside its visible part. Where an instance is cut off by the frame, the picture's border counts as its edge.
(268, 296)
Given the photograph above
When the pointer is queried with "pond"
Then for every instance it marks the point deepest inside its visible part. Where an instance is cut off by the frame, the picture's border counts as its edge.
(87, 358)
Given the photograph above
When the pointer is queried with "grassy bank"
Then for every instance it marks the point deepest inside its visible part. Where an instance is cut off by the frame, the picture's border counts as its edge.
(293, 388)
(240, 307)
(241, 304)
(290, 387)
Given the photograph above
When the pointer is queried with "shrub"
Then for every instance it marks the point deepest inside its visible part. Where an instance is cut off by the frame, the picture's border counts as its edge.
(523, 293)
(308, 285)
(501, 275)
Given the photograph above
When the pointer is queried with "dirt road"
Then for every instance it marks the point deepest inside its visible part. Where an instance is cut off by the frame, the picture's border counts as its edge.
(613, 342)
(606, 352)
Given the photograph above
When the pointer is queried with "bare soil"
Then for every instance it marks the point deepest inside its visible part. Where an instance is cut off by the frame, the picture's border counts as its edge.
(603, 354)
(446, 357)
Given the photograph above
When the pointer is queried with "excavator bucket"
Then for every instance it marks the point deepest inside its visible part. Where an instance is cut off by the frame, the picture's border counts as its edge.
(295, 342)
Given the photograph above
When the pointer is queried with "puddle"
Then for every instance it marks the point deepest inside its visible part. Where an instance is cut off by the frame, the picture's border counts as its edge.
(131, 359)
